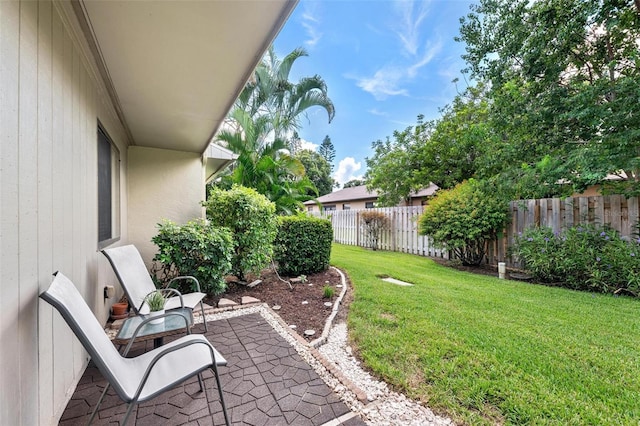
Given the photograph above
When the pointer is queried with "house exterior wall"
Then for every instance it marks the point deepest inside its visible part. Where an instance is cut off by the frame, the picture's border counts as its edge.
(51, 98)
(360, 204)
(163, 184)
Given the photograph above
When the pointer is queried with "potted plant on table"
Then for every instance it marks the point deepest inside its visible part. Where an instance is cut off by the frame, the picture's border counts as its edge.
(156, 301)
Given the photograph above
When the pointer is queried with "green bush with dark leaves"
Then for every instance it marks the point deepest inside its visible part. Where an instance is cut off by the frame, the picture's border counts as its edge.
(251, 218)
(463, 219)
(583, 257)
(197, 249)
(303, 245)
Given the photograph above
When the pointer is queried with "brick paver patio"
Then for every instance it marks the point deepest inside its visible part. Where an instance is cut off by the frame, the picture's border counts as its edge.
(266, 382)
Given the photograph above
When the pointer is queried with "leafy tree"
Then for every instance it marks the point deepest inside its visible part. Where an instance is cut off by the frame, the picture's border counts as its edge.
(456, 147)
(392, 168)
(251, 218)
(464, 219)
(327, 151)
(565, 78)
(317, 170)
(354, 182)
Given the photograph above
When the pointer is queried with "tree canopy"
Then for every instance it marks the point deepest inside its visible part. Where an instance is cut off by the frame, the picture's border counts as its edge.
(317, 170)
(565, 78)
(554, 105)
(327, 151)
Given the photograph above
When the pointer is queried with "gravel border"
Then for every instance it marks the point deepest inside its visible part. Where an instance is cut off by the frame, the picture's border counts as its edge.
(333, 360)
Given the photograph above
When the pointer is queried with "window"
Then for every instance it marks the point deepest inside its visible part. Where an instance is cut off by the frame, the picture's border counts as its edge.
(330, 207)
(310, 208)
(369, 205)
(108, 190)
(346, 207)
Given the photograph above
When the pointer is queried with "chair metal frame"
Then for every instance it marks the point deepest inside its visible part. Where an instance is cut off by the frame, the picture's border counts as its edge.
(194, 351)
(128, 256)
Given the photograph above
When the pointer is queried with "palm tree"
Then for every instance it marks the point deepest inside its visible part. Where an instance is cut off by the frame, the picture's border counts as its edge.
(265, 165)
(271, 93)
(267, 111)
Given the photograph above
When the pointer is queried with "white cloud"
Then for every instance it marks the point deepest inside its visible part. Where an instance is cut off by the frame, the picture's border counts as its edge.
(311, 23)
(305, 144)
(383, 83)
(411, 16)
(347, 167)
(375, 111)
(431, 50)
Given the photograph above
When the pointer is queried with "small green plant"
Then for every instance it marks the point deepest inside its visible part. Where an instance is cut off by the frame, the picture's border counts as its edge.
(303, 278)
(373, 224)
(155, 301)
(328, 292)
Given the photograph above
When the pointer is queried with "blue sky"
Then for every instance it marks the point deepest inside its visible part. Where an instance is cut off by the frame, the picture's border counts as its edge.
(384, 63)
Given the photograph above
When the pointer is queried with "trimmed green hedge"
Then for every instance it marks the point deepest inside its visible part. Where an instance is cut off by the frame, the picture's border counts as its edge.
(303, 245)
(251, 218)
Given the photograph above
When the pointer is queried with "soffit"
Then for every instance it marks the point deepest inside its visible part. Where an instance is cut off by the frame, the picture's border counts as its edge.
(175, 67)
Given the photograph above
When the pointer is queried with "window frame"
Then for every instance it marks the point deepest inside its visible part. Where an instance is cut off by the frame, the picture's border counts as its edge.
(111, 198)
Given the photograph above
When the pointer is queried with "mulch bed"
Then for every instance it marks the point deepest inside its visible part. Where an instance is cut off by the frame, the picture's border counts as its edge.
(274, 292)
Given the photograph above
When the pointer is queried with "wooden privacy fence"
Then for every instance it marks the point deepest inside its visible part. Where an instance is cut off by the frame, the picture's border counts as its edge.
(615, 211)
(401, 235)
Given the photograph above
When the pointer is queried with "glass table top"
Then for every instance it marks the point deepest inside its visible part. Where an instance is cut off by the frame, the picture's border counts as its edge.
(171, 323)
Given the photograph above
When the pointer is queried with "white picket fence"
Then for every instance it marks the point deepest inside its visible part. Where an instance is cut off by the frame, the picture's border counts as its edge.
(400, 235)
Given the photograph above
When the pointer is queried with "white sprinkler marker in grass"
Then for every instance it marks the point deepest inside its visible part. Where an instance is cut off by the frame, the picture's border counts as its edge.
(397, 282)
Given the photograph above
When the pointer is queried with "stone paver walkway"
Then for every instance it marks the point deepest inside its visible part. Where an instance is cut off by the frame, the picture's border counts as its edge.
(266, 382)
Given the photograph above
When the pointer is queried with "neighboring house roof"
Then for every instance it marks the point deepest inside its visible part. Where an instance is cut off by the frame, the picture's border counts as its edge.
(173, 69)
(356, 193)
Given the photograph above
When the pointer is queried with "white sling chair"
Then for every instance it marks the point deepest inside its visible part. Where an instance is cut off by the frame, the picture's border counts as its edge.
(137, 283)
(140, 378)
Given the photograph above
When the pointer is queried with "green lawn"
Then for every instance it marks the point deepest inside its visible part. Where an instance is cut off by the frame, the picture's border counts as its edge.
(484, 350)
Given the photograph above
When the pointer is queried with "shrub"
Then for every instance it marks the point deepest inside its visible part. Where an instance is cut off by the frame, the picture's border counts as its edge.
(464, 219)
(374, 223)
(583, 257)
(251, 218)
(303, 245)
(197, 249)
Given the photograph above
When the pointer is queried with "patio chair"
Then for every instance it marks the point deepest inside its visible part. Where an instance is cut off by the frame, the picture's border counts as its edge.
(137, 283)
(140, 378)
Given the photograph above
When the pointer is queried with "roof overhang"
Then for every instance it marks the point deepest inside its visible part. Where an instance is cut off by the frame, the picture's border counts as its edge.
(174, 68)
(217, 158)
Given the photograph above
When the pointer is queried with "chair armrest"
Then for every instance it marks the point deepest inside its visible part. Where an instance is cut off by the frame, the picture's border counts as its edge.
(164, 291)
(185, 277)
(167, 351)
(146, 321)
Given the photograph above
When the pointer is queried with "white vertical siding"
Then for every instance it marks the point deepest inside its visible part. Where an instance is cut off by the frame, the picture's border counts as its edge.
(9, 246)
(50, 101)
